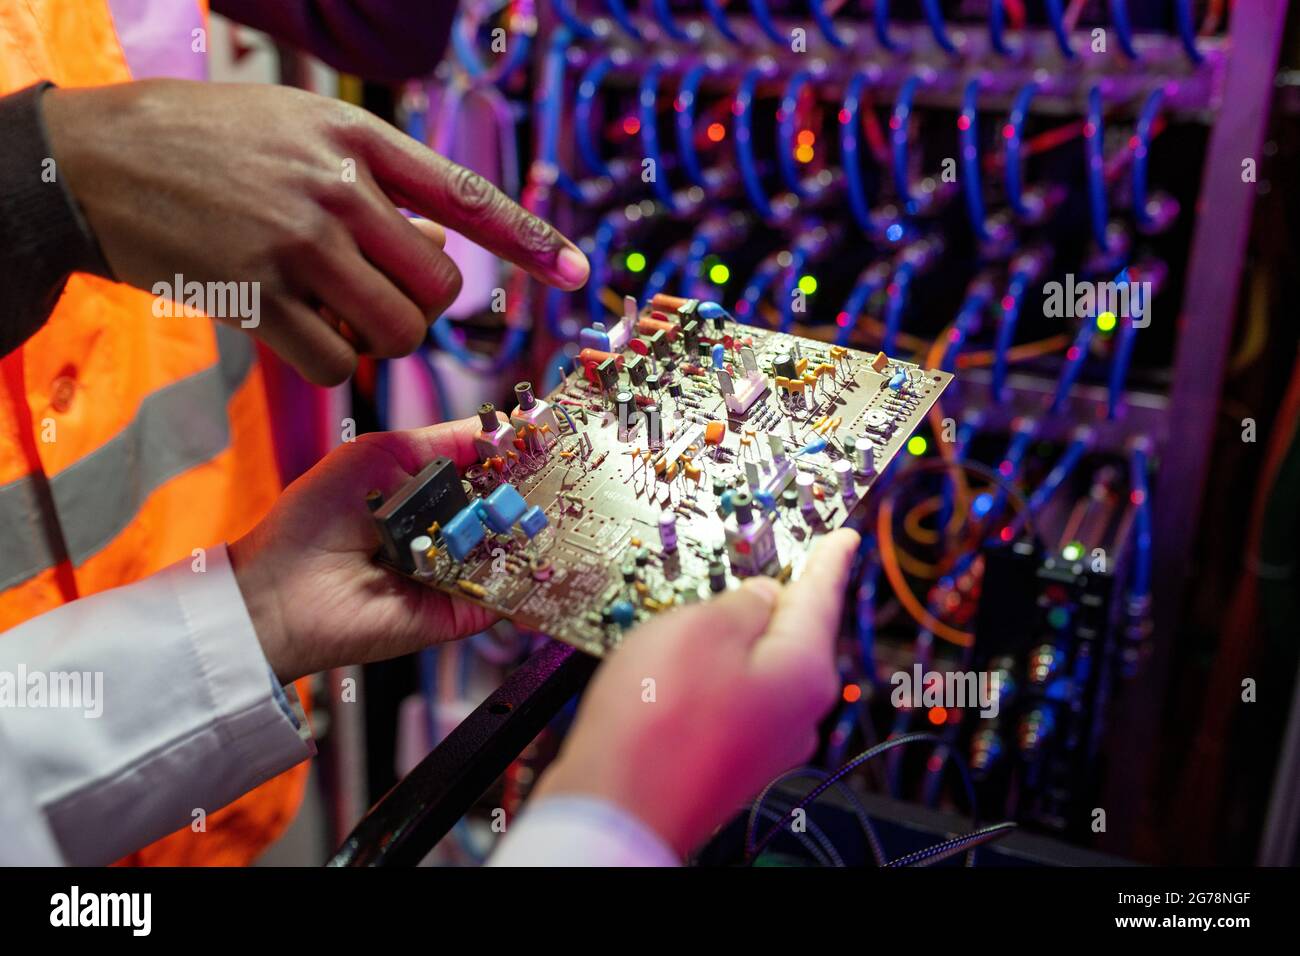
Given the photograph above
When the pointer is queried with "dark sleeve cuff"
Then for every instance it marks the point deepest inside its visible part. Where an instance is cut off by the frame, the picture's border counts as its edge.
(43, 236)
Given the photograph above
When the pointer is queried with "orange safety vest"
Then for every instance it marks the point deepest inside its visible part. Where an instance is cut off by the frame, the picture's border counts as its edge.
(127, 440)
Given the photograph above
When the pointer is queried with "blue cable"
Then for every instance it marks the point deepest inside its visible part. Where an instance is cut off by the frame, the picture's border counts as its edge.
(1119, 16)
(687, 95)
(549, 106)
(1016, 289)
(968, 124)
(1096, 160)
(571, 20)
(850, 148)
(898, 123)
(588, 89)
(452, 341)
(787, 120)
(1075, 358)
(648, 99)
(997, 28)
(1056, 477)
(968, 317)
(668, 20)
(1122, 354)
(934, 17)
(868, 284)
(1056, 17)
(668, 268)
(1141, 155)
(1187, 31)
(1014, 168)
(880, 18)
(462, 41)
(765, 22)
(899, 290)
(598, 256)
(749, 173)
(1140, 581)
(759, 283)
(618, 10)
(826, 24)
(718, 14)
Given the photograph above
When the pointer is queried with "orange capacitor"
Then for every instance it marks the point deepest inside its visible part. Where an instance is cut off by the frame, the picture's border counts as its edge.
(497, 462)
(691, 469)
(714, 432)
(879, 362)
(801, 366)
(670, 303)
(651, 326)
(671, 471)
(596, 356)
(639, 346)
(825, 369)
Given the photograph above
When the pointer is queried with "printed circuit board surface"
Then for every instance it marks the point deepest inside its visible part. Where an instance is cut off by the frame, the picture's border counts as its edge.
(685, 451)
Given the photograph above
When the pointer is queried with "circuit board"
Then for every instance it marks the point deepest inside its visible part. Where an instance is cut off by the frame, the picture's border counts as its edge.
(685, 451)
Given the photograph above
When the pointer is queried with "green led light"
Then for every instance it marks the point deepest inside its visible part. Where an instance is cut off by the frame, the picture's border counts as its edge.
(1058, 617)
(635, 262)
(1072, 552)
(719, 274)
(917, 445)
(1106, 321)
(807, 285)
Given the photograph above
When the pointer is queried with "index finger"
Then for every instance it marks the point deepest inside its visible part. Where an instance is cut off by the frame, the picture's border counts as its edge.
(462, 200)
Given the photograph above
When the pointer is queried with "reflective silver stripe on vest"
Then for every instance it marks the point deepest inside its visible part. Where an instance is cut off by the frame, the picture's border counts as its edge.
(176, 428)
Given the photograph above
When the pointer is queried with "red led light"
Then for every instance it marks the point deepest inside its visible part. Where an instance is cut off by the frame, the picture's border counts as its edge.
(963, 122)
(1008, 303)
(938, 716)
(844, 117)
(716, 132)
(631, 126)
(852, 693)
(1008, 131)
(1005, 534)
(842, 320)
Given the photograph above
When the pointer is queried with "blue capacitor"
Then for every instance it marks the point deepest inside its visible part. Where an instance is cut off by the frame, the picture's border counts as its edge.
(464, 531)
(622, 613)
(813, 447)
(533, 521)
(719, 355)
(897, 381)
(503, 508)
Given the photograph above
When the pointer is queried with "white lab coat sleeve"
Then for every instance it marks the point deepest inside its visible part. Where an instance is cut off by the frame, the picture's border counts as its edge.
(576, 830)
(178, 714)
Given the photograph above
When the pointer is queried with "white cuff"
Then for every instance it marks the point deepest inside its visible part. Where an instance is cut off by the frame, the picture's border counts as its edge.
(576, 830)
(188, 713)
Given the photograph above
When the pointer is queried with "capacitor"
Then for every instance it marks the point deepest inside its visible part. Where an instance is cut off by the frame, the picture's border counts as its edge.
(717, 577)
(654, 427)
(487, 416)
(719, 488)
(524, 396)
(789, 498)
(652, 383)
(626, 403)
(719, 356)
(668, 531)
(743, 503)
(803, 482)
(783, 365)
(675, 389)
(864, 456)
(420, 547)
(844, 478)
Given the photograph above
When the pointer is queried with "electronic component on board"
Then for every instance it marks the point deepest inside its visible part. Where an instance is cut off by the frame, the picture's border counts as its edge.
(432, 497)
(765, 449)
